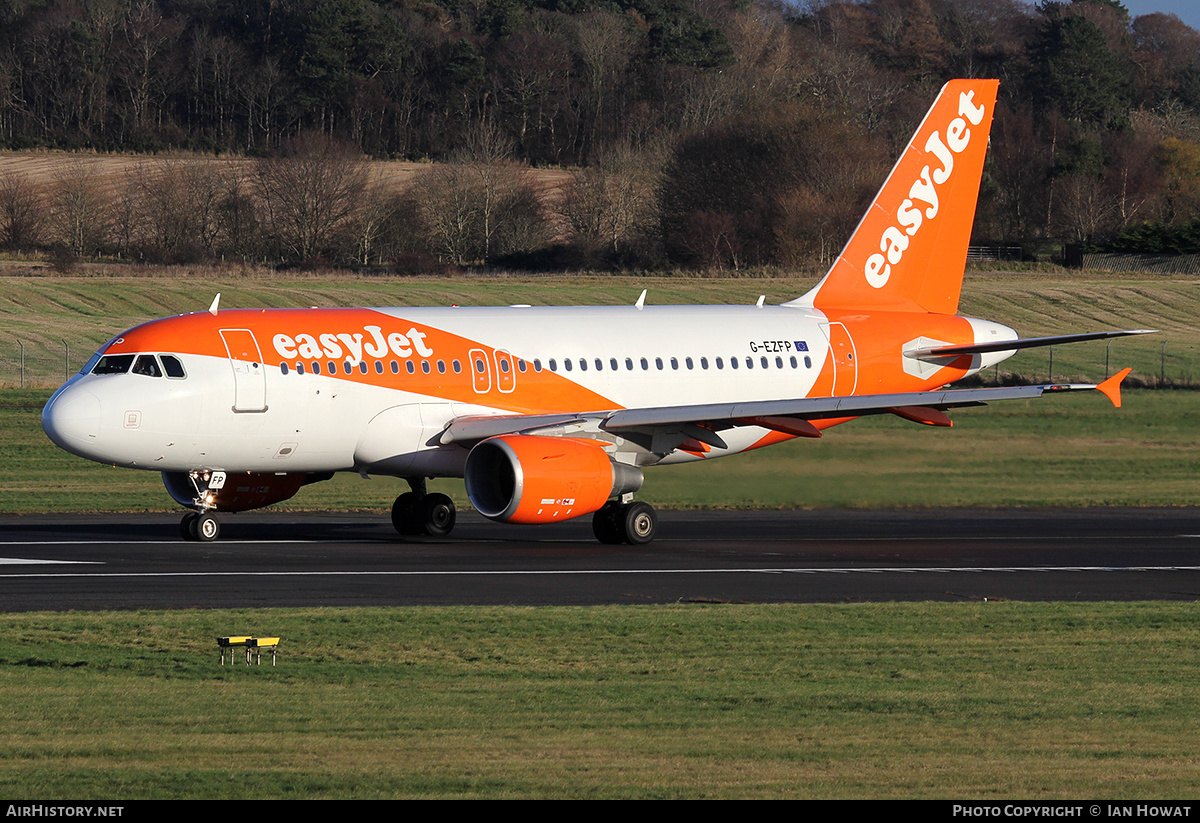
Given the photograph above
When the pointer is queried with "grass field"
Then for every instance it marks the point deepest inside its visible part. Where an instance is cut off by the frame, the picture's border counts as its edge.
(984, 701)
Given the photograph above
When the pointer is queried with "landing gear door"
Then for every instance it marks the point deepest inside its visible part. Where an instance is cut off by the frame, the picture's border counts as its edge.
(249, 375)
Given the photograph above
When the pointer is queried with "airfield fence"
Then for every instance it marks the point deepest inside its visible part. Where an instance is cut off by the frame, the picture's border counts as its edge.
(45, 363)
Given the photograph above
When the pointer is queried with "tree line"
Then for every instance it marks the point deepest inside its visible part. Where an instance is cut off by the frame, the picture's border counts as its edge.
(724, 133)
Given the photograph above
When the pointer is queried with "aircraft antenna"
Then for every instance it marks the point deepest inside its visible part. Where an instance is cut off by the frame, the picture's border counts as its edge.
(213, 308)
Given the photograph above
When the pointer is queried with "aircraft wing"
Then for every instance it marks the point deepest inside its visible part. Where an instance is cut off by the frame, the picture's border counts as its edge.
(701, 422)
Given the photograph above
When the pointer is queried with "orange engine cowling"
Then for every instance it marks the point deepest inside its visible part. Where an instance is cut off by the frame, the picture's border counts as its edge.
(522, 478)
(242, 491)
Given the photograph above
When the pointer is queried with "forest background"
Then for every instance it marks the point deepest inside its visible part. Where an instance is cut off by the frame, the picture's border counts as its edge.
(418, 135)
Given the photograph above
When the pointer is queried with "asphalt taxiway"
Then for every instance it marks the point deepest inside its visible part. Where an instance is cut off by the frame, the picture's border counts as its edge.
(266, 559)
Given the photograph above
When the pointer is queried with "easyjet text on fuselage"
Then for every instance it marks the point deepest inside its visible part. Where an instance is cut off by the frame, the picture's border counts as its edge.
(353, 345)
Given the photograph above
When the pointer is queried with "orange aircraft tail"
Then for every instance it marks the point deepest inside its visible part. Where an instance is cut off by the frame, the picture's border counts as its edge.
(909, 250)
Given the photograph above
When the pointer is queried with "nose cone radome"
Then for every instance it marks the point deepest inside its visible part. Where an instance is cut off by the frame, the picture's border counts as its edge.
(72, 419)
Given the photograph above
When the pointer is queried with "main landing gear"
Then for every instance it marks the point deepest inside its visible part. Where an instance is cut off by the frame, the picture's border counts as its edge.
(617, 522)
(417, 512)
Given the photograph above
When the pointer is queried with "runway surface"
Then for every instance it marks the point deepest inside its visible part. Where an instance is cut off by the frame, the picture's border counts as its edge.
(133, 561)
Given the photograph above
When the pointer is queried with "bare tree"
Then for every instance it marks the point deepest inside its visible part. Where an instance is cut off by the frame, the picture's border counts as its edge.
(604, 44)
(613, 204)
(21, 215)
(487, 154)
(309, 194)
(80, 211)
(376, 210)
(177, 206)
(472, 214)
(451, 205)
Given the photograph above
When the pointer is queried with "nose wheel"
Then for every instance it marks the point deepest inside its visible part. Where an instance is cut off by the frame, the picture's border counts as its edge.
(204, 528)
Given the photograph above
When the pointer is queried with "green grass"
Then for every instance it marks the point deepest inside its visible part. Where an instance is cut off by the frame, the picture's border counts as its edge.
(980, 701)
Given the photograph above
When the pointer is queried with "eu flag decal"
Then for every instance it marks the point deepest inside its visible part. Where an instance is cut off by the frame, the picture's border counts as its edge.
(801, 345)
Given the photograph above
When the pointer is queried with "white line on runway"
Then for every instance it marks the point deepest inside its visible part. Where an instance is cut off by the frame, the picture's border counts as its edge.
(567, 572)
(816, 539)
(27, 561)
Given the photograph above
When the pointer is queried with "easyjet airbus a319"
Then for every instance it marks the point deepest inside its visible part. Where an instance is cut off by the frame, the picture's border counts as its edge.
(551, 413)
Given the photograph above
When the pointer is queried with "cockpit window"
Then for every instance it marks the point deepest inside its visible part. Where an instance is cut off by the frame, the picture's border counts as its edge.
(113, 364)
(172, 366)
(90, 364)
(147, 364)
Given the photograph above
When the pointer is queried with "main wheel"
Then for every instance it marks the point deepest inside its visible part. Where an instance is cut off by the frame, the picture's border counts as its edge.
(605, 525)
(404, 514)
(638, 523)
(207, 528)
(437, 515)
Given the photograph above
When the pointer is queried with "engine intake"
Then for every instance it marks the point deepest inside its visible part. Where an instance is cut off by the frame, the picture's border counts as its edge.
(521, 478)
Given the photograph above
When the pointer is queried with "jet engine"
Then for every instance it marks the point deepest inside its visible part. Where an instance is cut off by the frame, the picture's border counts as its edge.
(520, 478)
(240, 492)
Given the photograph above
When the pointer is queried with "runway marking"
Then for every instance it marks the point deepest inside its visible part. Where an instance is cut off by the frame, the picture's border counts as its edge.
(27, 561)
(586, 541)
(566, 572)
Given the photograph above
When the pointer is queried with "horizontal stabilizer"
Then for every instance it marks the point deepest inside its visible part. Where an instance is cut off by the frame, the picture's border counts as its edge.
(1026, 343)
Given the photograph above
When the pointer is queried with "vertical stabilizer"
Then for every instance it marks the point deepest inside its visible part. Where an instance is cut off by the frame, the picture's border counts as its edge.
(909, 250)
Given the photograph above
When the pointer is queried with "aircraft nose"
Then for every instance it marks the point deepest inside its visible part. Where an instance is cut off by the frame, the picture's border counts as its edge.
(72, 418)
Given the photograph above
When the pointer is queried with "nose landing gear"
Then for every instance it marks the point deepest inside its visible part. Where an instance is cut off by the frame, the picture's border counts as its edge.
(203, 527)
(202, 524)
